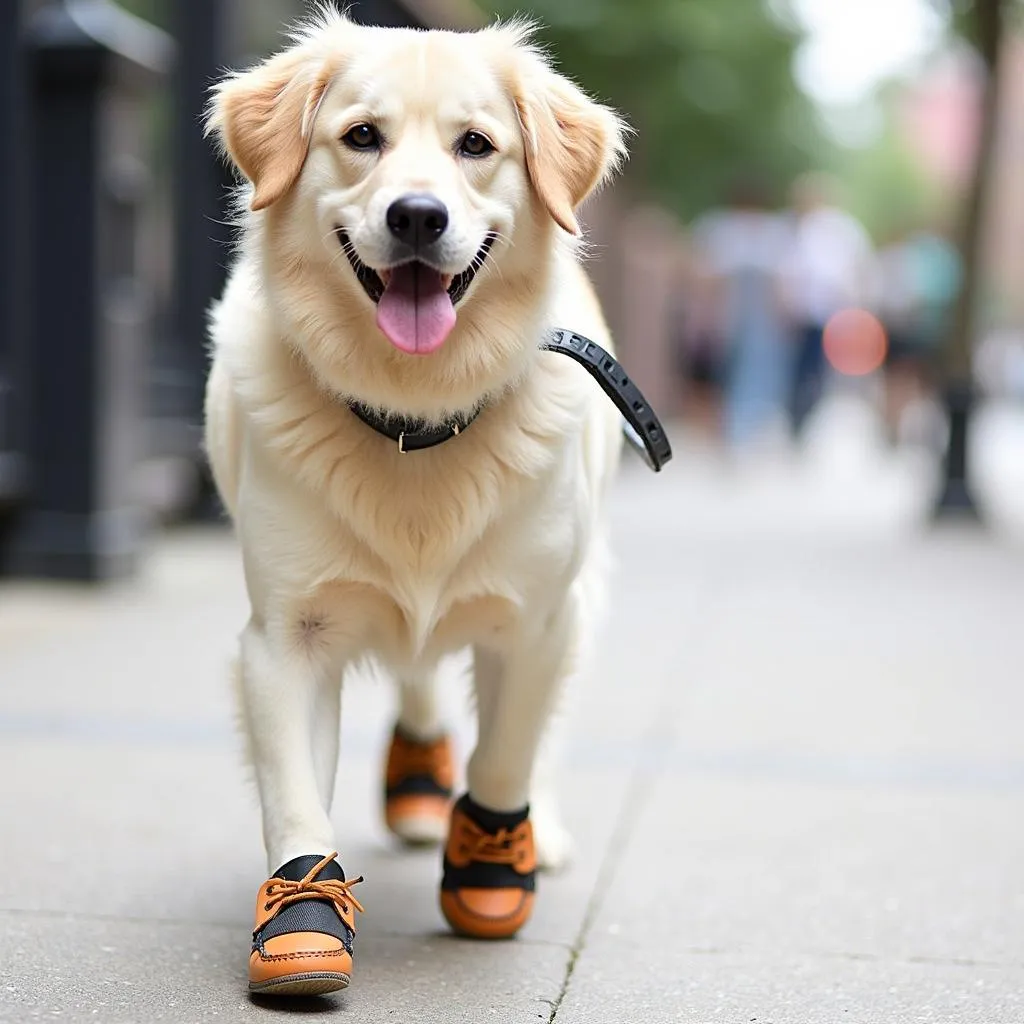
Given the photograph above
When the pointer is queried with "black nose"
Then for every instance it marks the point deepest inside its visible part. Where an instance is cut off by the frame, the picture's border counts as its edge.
(417, 218)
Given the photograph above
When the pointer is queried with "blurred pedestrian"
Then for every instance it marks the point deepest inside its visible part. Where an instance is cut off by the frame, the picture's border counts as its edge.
(698, 343)
(918, 277)
(829, 268)
(742, 247)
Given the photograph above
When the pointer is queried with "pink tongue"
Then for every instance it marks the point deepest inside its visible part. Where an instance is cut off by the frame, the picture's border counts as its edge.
(415, 311)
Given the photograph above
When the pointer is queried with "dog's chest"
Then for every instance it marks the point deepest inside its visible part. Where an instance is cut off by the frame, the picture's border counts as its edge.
(411, 556)
(405, 616)
(410, 587)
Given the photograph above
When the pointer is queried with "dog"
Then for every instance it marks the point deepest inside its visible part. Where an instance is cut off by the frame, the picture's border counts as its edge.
(409, 472)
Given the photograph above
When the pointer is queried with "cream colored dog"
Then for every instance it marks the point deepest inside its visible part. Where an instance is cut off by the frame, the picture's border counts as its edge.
(411, 240)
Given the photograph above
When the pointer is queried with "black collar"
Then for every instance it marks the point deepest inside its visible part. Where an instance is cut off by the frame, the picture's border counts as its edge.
(641, 427)
(411, 435)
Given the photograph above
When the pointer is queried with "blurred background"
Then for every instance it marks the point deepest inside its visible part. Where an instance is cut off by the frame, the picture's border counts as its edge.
(797, 761)
(820, 214)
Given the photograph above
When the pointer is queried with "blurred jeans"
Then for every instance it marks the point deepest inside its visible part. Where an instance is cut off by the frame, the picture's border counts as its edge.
(808, 379)
(757, 373)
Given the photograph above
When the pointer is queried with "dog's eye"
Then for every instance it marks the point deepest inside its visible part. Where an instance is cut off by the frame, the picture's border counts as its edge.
(362, 136)
(475, 144)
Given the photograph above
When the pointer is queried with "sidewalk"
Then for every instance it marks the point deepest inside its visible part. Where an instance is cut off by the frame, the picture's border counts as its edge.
(796, 783)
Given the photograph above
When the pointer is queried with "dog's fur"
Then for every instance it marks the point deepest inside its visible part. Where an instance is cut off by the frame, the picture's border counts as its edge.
(492, 540)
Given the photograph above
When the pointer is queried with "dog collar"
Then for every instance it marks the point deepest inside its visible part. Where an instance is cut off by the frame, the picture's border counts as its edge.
(412, 435)
(641, 426)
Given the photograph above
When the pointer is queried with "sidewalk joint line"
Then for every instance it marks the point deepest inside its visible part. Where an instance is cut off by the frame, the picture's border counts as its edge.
(633, 803)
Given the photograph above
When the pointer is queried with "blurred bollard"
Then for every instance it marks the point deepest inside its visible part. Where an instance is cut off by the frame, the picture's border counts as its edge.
(202, 238)
(956, 499)
(91, 67)
(14, 248)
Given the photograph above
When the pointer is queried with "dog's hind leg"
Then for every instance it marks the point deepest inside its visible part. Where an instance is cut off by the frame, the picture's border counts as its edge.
(419, 773)
(554, 843)
(326, 721)
(419, 714)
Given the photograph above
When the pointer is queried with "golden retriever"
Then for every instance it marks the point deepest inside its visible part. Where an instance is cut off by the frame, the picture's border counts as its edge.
(410, 239)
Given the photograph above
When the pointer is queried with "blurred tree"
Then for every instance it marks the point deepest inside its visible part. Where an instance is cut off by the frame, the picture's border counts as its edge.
(983, 23)
(885, 183)
(708, 84)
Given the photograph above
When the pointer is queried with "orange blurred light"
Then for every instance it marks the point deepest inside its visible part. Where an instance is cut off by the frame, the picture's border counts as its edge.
(855, 342)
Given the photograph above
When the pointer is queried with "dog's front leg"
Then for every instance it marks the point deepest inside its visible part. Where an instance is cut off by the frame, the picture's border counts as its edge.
(490, 859)
(305, 912)
(285, 711)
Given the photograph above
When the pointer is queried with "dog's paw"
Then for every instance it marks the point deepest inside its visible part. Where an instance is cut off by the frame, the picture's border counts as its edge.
(552, 840)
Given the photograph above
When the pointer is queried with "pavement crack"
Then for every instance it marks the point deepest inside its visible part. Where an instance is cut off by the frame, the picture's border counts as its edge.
(633, 803)
(647, 766)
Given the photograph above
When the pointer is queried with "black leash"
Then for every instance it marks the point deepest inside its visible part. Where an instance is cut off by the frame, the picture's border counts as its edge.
(641, 426)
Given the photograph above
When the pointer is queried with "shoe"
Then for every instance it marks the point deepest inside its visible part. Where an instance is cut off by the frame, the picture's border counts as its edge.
(305, 925)
(418, 788)
(490, 867)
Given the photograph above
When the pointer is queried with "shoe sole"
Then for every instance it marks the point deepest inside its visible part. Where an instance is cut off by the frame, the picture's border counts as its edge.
(425, 830)
(468, 924)
(312, 983)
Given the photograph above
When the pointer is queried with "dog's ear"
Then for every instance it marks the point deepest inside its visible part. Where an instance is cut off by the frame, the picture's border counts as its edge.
(264, 119)
(572, 143)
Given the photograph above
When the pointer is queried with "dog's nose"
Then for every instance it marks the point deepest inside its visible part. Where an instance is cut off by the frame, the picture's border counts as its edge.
(417, 218)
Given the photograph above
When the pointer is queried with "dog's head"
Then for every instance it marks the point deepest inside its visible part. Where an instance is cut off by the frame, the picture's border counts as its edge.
(418, 176)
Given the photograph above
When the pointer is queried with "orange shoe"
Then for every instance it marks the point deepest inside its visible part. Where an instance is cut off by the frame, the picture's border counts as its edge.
(490, 869)
(418, 788)
(305, 924)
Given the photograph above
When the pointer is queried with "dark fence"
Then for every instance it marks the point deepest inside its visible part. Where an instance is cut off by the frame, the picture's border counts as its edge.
(102, 371)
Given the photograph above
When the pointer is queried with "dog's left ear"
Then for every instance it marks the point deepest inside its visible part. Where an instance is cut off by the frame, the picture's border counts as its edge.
(264, 120)
(572, 143)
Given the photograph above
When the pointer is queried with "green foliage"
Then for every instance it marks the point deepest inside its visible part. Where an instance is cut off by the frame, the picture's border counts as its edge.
(708, 84)
(887, 189)
(154, 11)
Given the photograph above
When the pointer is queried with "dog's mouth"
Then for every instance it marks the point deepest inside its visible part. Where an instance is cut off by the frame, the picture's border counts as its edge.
(415, 303)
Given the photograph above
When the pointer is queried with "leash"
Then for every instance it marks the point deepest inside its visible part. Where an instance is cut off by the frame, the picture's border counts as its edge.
(641, 426)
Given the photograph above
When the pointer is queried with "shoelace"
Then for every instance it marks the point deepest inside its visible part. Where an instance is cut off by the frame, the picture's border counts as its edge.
(284, 892)
(496, 848)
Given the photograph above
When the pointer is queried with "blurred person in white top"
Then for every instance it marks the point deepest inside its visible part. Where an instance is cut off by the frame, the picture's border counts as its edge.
(829, 268)
(741, 247)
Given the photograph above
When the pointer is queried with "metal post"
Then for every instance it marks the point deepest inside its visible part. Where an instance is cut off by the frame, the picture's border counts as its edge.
(201, 236)
(90, 64)
(955, 499)
(14, 242)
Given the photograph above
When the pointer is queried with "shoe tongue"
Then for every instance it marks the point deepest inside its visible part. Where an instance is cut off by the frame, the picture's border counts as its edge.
(297, 869)
(415, 312)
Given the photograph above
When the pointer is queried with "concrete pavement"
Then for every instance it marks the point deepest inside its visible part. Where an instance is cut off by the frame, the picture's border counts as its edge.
(796, 779)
